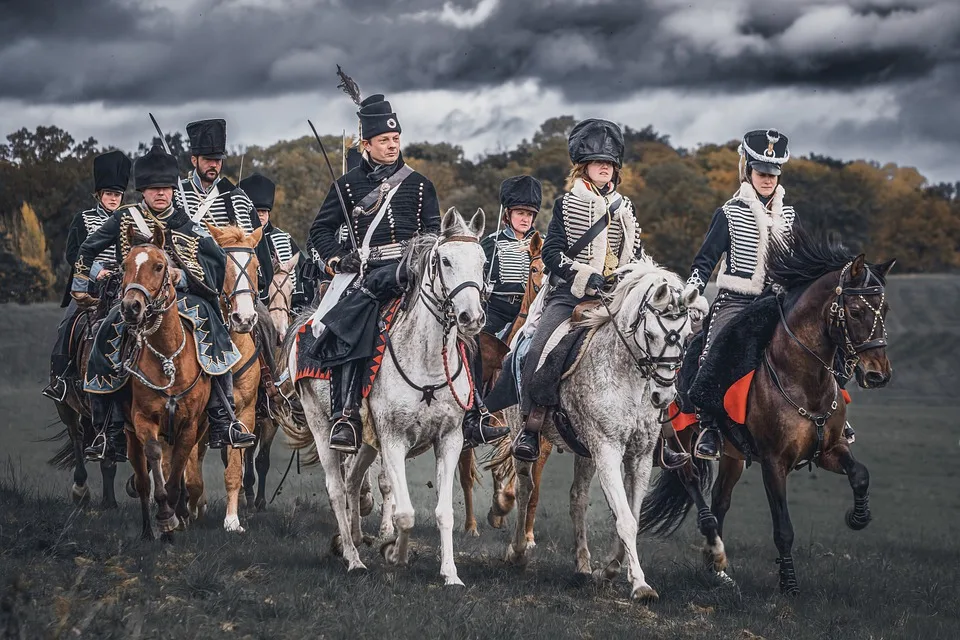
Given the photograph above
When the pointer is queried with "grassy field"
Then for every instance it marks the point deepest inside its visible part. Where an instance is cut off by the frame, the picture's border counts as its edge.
(84, 573)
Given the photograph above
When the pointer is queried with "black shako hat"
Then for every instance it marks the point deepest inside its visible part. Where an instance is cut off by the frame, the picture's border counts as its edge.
(523, 192)
(261, 190)
(377, 117)
(155, 169)
(208, 138)
(765, 150)
(596, 139)
(111, 171)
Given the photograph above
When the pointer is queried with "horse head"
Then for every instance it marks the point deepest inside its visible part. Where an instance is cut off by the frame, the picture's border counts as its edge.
(240, 279)
(280, 293)
(858, 320)
(147, 280)
(454, 271)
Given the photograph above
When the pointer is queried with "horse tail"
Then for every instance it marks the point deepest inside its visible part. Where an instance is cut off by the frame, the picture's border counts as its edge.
(296, 429)
(501, 464)
(665, 508)
(64, 458)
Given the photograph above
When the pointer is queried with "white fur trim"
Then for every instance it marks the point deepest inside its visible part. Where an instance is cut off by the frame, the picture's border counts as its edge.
(598, 207)
(583, 273)
(771, 226)
(630, 231)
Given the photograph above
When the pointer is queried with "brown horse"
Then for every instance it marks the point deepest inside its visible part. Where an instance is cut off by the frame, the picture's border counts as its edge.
(238, 303)
(492, 352)
(149, 309)
(795, 413)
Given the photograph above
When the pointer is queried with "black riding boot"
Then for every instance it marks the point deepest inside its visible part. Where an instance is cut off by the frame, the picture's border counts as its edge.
(670, 459)
(110, 442)
(222, 421)
(710, 440)
(57, 389)
(347, 429)
(526, 446)
(477, 422)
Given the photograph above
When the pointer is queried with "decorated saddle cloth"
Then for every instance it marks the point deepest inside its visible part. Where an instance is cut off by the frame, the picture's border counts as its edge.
(311, 361)
(216, 352)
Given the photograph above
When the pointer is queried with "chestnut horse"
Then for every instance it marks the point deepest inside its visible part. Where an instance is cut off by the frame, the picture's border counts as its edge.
(834, 302)
(165, 368)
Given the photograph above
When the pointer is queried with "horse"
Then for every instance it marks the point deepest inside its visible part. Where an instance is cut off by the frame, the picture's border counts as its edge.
(168, 389)
(280, 293)
(615, 396)
(492, 353)
(441, 306)
(795, 414)
(74, 412)
(239, 304)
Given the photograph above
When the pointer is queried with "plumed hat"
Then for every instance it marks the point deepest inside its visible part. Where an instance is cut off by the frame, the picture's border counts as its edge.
(765, 150)
(156, 168)
(377, 117)
(595, 139)
(111, 171)
(261, 190)
(208, 138)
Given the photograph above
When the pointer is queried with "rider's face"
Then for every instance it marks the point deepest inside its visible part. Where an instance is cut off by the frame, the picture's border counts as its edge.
(764, 183)
(158, 198)
(600, 172)
(264, 215)
(207, 168)
(110, 200)
(521, 220)
(383, 149)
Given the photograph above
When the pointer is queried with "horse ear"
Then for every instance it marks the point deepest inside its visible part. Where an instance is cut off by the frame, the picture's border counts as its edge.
(884, 269)
(536, 245)
(213, 231)
(132, 238)
(256, 236)
(690, 297)
(661, 297)
(858, 266)
(158, 237)
(477, 223)
(290, 264)
(451, 220)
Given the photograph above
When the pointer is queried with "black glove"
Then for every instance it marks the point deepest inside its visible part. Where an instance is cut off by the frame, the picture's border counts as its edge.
(349, 263)
(595, 284)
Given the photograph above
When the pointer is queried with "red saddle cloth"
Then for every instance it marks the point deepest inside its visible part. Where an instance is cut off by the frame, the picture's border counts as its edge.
(734, 401)
(309, 367)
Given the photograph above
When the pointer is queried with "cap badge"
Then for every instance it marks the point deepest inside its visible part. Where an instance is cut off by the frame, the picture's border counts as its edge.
(773, 137)
(391, 123)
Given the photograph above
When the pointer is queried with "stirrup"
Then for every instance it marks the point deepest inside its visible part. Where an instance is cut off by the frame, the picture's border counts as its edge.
(712, 456)
(345, 448)
(243, 442)
(97, 451)
(680, 457)
(56, 390)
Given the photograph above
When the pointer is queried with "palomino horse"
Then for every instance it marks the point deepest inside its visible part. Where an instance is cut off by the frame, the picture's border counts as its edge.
(238, 304)
(165, 368)
(795, 413)
(492, 353)
(442, 305)
(614, 397)
(74, 412)
(280, 293)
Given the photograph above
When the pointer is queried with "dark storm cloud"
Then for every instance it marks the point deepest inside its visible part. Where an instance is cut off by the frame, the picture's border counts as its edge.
(131, 51)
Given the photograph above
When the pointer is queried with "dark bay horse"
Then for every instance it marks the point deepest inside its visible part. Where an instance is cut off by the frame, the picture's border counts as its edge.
(831, 302)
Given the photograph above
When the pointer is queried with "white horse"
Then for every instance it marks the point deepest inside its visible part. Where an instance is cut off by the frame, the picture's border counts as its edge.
(442, 304)
(614, 398)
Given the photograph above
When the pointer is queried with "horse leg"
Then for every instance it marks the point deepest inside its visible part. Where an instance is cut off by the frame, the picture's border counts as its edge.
(263, 462)
(728, 474)
(583, 472)
(775, 484)
(517, 550)
(504, 498)
(608, 460)
(249, 475)
(175, 484)
(166, 517)
(388, 503)
(465, 467)
(193, 474)
(108, 470)
(355, 476)
(141, 482)
(839, 459)
(75, 430)
(393, 457)
(714, 554)
(447, 450)
(545, 448)
(232, 480)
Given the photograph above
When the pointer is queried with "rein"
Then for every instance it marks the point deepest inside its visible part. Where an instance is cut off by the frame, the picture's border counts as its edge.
(279, 292)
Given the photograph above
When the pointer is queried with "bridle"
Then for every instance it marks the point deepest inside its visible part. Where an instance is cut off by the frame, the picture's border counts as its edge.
(441, 304)
(244, 283)
(646, 362)
(279, 292)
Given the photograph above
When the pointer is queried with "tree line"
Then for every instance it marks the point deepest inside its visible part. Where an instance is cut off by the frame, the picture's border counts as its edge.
(46, 176)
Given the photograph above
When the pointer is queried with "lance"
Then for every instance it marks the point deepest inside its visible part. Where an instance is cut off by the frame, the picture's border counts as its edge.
(240, 177)
(183, 195)
(343, 151)
(336, 187)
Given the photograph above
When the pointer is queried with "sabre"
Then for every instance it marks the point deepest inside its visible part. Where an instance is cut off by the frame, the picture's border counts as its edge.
(166, 147)
(495, 248)
(240, 177)
(336, 187)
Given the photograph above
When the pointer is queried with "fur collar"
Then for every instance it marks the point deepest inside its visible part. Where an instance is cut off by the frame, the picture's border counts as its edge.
(625, 217)
(771, 225)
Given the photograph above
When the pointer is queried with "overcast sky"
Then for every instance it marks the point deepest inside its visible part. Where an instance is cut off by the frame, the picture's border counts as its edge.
(877, 79)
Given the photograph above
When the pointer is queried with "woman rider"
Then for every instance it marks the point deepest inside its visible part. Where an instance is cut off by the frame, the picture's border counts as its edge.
(593, 232)
(742, 232)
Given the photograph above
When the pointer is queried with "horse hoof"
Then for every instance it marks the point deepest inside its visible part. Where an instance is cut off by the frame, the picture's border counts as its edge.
(81, 494)
(715, 557)
(531, 543)
(368, 540)
(131, 487)
(472, 532)
(609, 572)
(232, 524)
(168, 525)
(857, 523)
(725, 580)
(453, 581)
(516, 559)
(366, 505)
(389, 552)
(109, 504)
(356, 566)
(645, 595)
(494, 520)
(336, 545)
(790, 590)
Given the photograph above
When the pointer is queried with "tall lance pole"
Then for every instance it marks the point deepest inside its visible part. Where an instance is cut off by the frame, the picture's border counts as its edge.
(343, 152)
(336, 187)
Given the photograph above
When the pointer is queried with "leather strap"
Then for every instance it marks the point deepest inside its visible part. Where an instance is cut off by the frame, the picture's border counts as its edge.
(594, 230)
(391, 183)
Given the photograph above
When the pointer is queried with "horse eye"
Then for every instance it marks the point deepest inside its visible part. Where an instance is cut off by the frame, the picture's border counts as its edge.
(158, 267)
(856, 313)
(445, 261)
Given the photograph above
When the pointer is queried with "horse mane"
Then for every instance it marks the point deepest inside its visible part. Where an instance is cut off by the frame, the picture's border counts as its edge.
(806, 258)
(634, 277)
(418, 251)
(231, 235)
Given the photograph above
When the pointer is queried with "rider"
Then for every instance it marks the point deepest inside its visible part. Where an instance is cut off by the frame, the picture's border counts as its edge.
(202, 264)
(743, 230)
(508, 258)
(111, 173)
(281, 245)
(593, 232)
